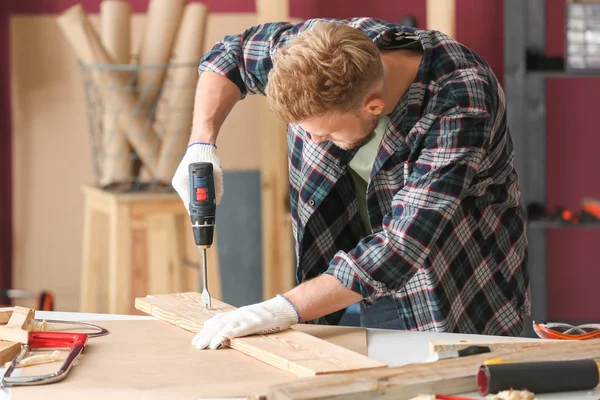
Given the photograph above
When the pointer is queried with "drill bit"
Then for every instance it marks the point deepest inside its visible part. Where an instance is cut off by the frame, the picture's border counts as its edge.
(205, 295)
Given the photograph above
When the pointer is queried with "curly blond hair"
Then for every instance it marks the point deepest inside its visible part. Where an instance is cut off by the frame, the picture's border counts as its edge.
(326, 69)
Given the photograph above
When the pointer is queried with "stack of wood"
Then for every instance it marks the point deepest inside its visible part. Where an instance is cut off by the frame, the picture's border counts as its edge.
(146, 95)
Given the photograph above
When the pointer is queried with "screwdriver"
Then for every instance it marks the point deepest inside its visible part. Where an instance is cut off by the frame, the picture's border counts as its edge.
(203, 213)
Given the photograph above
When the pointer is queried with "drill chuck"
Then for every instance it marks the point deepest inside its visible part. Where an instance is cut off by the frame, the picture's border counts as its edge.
(202, 203)
(204, 230)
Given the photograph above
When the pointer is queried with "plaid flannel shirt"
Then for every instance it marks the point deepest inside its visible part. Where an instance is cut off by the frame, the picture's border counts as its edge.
(448, 237)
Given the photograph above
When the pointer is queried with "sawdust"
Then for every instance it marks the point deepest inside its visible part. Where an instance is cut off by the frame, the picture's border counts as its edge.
(37, 359)
(512, 395)
(504, 395)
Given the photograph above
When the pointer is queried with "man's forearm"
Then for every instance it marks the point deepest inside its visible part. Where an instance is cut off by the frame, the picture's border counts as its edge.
(215, 97)
(321, 296)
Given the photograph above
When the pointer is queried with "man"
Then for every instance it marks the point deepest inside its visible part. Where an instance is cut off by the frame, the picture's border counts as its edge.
(403, 191)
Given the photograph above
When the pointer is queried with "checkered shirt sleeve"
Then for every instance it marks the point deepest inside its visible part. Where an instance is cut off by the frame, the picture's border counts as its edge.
(456, 135)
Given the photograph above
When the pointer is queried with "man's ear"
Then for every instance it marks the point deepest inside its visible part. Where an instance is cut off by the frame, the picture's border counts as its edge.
(374, 104)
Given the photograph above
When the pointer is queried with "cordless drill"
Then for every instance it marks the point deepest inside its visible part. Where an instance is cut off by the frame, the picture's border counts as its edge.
(202, 213)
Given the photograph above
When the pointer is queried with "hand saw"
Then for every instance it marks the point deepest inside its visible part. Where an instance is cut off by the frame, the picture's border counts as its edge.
(74, 342)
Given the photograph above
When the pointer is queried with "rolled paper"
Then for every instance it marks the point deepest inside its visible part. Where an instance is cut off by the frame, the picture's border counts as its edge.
(86, 45)
(115, 33)
(177, 100)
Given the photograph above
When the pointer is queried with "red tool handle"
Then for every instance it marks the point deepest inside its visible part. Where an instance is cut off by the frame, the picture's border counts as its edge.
(54, 340)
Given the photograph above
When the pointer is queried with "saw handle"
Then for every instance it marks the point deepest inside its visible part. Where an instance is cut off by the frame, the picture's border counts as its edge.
(56, 340)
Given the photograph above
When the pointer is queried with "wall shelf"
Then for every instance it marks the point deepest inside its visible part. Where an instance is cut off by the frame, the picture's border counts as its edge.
(563, 74)
(525, 33)
(559, 225)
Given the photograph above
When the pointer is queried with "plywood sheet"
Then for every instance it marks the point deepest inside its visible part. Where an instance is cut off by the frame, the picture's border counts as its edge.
(292, 350)
(155, 360)
(50, 134)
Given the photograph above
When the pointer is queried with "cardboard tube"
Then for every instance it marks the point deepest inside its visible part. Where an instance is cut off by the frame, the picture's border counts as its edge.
(115, 32)
(178, 98)
(441, 16)
(115, 29)
(86, 44)
(164, 17)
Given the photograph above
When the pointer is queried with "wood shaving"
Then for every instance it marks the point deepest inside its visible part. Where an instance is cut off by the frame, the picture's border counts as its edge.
(512, 395)
(37, 359)
(42, 326)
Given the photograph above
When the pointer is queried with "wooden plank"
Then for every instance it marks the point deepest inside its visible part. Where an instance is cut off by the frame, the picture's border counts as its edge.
(94, 265)
(18, 326)
(496, 343)
(119, 263)
(441, 16)
(293, 351)
(159, 267)
(278, 255)
(8, 351)
(453, 376)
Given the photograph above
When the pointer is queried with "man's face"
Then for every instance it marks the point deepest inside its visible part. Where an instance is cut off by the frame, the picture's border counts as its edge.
(346, 131)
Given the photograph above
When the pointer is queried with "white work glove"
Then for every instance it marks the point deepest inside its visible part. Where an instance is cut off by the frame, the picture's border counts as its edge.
(271, 316)
(197, 152)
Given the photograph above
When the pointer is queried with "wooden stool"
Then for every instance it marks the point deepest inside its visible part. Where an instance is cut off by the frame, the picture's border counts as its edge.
(135, 244)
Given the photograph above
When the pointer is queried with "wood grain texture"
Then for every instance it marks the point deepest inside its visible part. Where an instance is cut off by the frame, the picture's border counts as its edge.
(495, 343)
(152, 360)
(452, 376)
(293, 351)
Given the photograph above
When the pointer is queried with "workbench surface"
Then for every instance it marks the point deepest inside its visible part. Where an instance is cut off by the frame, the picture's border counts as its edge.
(391, 347)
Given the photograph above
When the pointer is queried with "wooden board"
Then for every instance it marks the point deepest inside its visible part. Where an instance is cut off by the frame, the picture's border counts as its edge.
(496, 343)
(8, 351)
(155, 360)
(454, 376)
(18, 325)
(292, 351)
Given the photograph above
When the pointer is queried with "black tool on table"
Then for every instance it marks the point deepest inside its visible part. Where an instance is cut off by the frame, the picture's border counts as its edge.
(203, 211)
(538, 376)
(467, 351)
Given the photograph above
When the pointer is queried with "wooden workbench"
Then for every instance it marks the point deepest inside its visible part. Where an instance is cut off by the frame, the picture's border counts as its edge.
(394, 348)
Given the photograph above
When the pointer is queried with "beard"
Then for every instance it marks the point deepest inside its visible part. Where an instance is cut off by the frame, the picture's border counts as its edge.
(367, 132)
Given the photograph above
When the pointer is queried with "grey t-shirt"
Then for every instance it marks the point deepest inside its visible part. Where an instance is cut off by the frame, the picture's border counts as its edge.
(361, 165)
